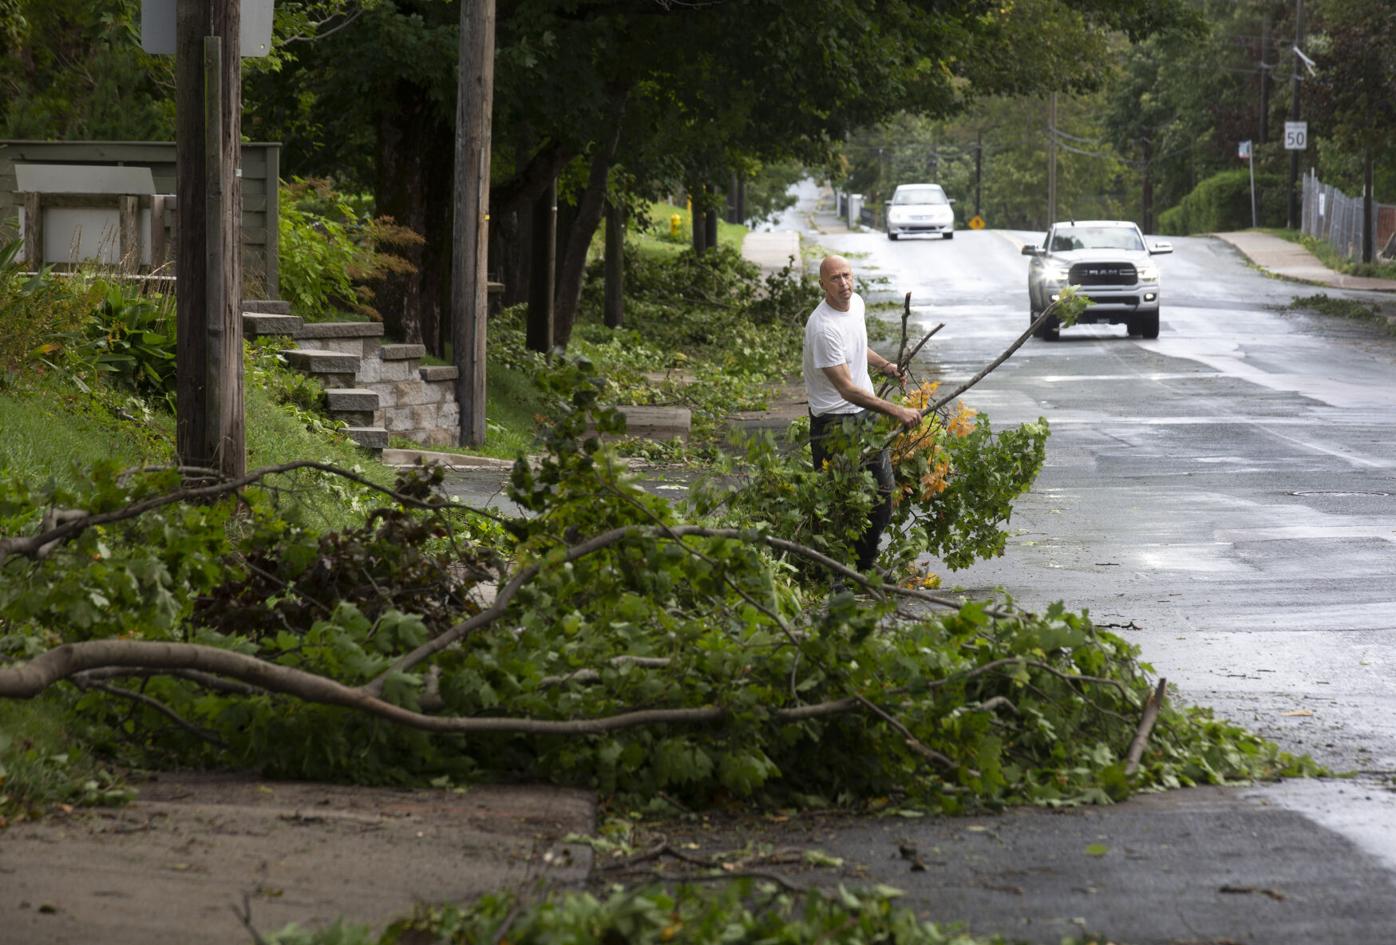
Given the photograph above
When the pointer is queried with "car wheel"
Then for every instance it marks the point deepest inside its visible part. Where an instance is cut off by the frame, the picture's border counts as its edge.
(1132, 327)
(950, 234)
(892, 236)
(1148, 325)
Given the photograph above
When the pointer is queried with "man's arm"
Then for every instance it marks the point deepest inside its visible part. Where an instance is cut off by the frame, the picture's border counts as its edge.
(843, 382)
(882, 366)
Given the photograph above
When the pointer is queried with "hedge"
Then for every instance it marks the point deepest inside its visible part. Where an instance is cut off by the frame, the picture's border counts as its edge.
(1223, 202)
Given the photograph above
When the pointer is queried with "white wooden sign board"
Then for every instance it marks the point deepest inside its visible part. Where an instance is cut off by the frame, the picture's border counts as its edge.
(82, 179)
(158, 27)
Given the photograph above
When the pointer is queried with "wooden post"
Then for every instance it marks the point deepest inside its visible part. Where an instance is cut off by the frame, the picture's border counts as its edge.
(33, 232)
(469, 283)
(128, 241)
(273, 247)
(614, 307)
(208, 81)
(542, 271)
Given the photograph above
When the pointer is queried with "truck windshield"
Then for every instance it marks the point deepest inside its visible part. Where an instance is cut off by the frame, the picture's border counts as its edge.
(1068, 238)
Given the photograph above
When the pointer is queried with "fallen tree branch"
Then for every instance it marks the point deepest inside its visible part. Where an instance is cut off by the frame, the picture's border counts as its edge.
(1049, 312)
(75, 524)
(1146, 725)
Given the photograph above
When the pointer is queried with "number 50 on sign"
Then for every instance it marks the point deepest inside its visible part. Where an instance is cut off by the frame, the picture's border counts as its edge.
(1296, 135)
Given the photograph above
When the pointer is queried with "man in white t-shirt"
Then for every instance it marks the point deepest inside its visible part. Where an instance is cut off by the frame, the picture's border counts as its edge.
(836, 364)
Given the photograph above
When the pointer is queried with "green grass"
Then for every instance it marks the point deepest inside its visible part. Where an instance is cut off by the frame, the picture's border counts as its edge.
(49, 437)
(656, 237)
(44, 760)
(1330, 257)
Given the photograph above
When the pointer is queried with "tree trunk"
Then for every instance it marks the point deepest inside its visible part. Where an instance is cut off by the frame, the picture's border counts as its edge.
(698, 220)
(615, 265)
(572, 265)
(413, 186)
(542, 272)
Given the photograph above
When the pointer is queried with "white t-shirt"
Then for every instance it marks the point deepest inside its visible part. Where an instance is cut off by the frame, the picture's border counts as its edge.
(833, 337)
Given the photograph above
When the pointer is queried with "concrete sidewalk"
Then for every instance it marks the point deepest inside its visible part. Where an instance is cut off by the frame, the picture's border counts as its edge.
(772, 250)
(1292, 261)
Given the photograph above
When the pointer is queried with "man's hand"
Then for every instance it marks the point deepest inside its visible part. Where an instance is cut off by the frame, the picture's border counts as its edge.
(908, 417)
(890, 369)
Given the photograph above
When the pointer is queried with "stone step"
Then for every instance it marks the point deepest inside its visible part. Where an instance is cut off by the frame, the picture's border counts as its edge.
(402, 352)
(657, 423)
(318, 361)
(319, 331)
(267, 306)
(265, 324)
(373, 438)
(435, 373)
(343, 399)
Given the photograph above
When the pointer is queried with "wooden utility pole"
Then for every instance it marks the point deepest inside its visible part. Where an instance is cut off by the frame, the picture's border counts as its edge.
(1294, 221)
(1052, 162)
(208, 132)
(1264, 79)
(469, 279)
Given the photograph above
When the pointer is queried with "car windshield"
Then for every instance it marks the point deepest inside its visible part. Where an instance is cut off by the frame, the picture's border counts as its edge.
(1068, 238)
(910, 195)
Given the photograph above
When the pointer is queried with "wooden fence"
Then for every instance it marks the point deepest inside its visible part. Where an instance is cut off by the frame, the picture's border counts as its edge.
(261, 169)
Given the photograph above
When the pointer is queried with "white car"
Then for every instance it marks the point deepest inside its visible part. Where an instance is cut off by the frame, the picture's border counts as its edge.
(1109, 263)
(920, 208)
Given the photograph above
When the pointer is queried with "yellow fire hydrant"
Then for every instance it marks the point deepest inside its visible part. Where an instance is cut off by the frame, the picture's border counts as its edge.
(675, 222)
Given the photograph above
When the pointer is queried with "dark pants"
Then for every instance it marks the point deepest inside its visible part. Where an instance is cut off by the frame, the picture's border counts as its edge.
(881, 468)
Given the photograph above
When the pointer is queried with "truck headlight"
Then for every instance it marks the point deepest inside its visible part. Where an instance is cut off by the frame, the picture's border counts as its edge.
(1054, 273)
(1148, 272)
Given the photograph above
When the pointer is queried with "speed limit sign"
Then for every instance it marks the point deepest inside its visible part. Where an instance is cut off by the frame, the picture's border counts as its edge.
(1296, 135)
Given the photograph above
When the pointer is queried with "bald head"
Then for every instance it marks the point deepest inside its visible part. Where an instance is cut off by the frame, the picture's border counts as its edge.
(836, 279)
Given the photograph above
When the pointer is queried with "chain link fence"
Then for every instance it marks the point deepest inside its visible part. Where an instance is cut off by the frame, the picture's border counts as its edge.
(1329, 214)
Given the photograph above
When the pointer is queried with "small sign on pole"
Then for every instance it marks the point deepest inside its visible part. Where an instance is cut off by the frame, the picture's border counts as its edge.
(254, 27)
(976, 222)
(1243, 150)
(1296, 135)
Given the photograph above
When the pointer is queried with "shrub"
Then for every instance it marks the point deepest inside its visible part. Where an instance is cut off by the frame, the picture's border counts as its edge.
(1223, 202)
(43, 314)
(332, 251)
(130, 338)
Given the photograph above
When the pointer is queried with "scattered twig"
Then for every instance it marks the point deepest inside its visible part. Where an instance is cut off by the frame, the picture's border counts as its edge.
(158, 706)
(912, 742)
(245, 917)
(588, 676)
(1146, 725)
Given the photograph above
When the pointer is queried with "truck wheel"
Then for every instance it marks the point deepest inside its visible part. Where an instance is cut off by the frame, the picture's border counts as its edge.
(1148, 325)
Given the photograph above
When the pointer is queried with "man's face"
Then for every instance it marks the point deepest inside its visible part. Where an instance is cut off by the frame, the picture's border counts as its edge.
(836, 279)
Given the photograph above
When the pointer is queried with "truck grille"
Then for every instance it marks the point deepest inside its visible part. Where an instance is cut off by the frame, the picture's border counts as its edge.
(1103, 274)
